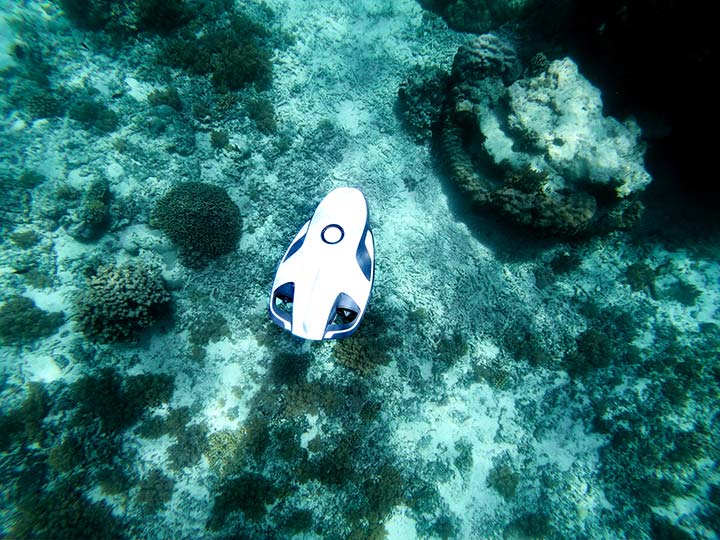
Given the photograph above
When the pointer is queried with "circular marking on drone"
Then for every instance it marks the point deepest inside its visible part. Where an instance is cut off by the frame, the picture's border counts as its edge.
(332, 234)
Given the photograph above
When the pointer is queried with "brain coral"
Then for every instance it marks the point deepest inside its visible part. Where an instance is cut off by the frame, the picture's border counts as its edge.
(539, 149)
(200, 219)
(119, 301)
(487, 55)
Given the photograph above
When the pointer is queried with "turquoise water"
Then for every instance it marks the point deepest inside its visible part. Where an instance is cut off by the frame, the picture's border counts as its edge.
(539, 357)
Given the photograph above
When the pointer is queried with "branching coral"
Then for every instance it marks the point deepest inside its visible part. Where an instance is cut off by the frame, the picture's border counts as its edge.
(249, 493)
(94, 115)
(118, 403)
(155, 490)
(421, 96)
(21, 321)
(64, 512)
(119, 301)
(93, 216)
(235, 57)
(125, 17)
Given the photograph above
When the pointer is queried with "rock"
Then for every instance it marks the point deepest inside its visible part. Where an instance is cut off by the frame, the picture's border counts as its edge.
(561, 112)
(538, 149)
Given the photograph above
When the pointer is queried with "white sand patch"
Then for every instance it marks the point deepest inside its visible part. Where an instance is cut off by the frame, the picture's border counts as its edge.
(311, 432)
(49, 299)
(138, 90)
(400, 524)
(41, 368)
(566, 444)
(352, 116)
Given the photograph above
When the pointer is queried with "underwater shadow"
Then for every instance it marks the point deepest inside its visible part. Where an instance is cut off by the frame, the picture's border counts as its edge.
(509, 241)
(681, 210)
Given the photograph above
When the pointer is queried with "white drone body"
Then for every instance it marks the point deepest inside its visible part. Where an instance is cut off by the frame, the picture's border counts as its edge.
(322, 285)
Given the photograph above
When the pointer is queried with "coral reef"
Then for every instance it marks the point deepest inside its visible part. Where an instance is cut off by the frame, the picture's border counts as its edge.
(242, 65)
(298, 521)
(504, 479)
(27, 85)
(480, 16)
(219, 139)
(538, 149)
(31, 179)
(538, 64)
(444, 528)
(262, 112)
(565, 262)
(94, 115)
(574, 392)
(366, 350)
(641, 277)
(463, 460)
(420, 97)
(93, 15)
(494, 375)
(121, 300)
(594, 350)
(45, 104)
(154, 491)
(488, 55)
(362, 353)
(168, 96)
(222, 449)
(190, 446)
(118, 403)
(23, 425)
(560, 112)
(207, 329)
(92, 217)
(22, 322)
(161, 16)
(607, 340)
(529, 526)
(66, 455)
(249, 493)
(64, 512)
(289, 369)
(685, 293)
(56, 457)
(123, 18)
(234, 56)
(652, 456)
(157, 426)
(17, 198)
(201, 219)
(24, 238)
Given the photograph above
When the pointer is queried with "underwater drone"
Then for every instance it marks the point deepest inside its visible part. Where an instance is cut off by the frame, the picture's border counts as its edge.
(322, 284)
